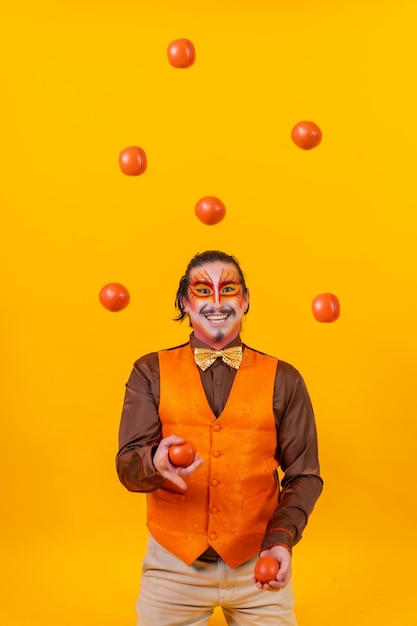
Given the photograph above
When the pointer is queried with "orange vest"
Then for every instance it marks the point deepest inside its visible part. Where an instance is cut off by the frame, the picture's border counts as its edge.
(231, 497)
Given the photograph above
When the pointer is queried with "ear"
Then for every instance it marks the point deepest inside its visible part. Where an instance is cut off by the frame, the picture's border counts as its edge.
(184, 304)
(246, 302)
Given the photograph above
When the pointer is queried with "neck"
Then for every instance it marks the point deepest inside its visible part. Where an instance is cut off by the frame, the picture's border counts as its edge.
(216, 343)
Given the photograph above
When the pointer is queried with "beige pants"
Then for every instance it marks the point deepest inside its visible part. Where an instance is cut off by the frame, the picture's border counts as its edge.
(175, 594)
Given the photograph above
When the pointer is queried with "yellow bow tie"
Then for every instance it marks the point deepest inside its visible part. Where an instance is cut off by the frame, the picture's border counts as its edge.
(204, 357)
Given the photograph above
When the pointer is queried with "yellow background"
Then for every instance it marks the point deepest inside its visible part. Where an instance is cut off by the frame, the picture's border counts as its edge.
(80, 81)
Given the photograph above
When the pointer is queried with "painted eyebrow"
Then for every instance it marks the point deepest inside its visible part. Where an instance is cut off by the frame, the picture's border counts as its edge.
(222, 283)
(202, 281)
(231, 278)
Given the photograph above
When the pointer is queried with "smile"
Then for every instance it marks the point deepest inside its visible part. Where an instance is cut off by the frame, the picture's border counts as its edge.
(216, 319)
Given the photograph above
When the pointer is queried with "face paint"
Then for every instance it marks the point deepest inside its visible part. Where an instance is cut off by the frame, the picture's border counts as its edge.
(216, 303)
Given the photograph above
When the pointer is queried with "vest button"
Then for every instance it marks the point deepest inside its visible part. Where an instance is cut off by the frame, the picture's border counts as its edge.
(214, 482)
(213, 536)
(216, 427)
(213, 510)
(216, 454)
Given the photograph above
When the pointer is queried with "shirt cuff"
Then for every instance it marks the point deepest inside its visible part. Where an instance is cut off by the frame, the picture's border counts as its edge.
(278, 537)
(149, 468)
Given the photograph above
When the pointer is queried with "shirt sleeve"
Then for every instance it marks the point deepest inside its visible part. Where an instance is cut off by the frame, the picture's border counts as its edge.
(140, 428)
(297, 451)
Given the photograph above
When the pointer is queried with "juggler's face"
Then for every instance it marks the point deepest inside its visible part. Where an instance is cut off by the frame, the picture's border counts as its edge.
(216, 303)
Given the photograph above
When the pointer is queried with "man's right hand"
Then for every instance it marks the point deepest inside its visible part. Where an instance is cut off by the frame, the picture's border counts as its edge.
(167, 470)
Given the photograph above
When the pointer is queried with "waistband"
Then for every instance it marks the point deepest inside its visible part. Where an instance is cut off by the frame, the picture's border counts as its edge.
(211, 557)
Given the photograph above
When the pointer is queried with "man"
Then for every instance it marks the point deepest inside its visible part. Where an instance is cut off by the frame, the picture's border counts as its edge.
(246, 413)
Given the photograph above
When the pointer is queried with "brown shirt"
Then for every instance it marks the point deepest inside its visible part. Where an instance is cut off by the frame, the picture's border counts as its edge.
(296, 448)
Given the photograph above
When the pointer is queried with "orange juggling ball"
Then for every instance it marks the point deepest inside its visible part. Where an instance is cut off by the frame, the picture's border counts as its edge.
(266, 569)
(306, 135)
(181, 455)
(210, 210)
(133, 161)
(181, 53)
(326, 307)
(114, 297)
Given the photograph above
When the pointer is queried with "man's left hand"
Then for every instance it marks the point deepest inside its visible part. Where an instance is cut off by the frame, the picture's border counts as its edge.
(283, 556)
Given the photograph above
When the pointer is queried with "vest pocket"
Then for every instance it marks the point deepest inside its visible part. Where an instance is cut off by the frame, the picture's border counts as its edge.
(261, 507)
(170, 496)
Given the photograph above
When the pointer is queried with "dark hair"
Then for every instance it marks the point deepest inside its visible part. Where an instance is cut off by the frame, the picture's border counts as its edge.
(201, 258)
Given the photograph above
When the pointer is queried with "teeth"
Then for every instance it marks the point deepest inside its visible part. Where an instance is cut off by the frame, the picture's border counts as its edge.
(216, 317)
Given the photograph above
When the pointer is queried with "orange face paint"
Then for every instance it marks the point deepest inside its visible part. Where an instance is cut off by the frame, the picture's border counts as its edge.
(216, 303)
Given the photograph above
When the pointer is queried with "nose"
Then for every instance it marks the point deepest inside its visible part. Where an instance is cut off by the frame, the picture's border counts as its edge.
(217, 299)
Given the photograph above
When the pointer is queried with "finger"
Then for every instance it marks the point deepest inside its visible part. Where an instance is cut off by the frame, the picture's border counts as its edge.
(283, 575)
(186, 471)
(176, 479)
(172, 440)
(282, 582)
(272, 586)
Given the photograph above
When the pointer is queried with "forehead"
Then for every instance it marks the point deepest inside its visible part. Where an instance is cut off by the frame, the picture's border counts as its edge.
(216, 272)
